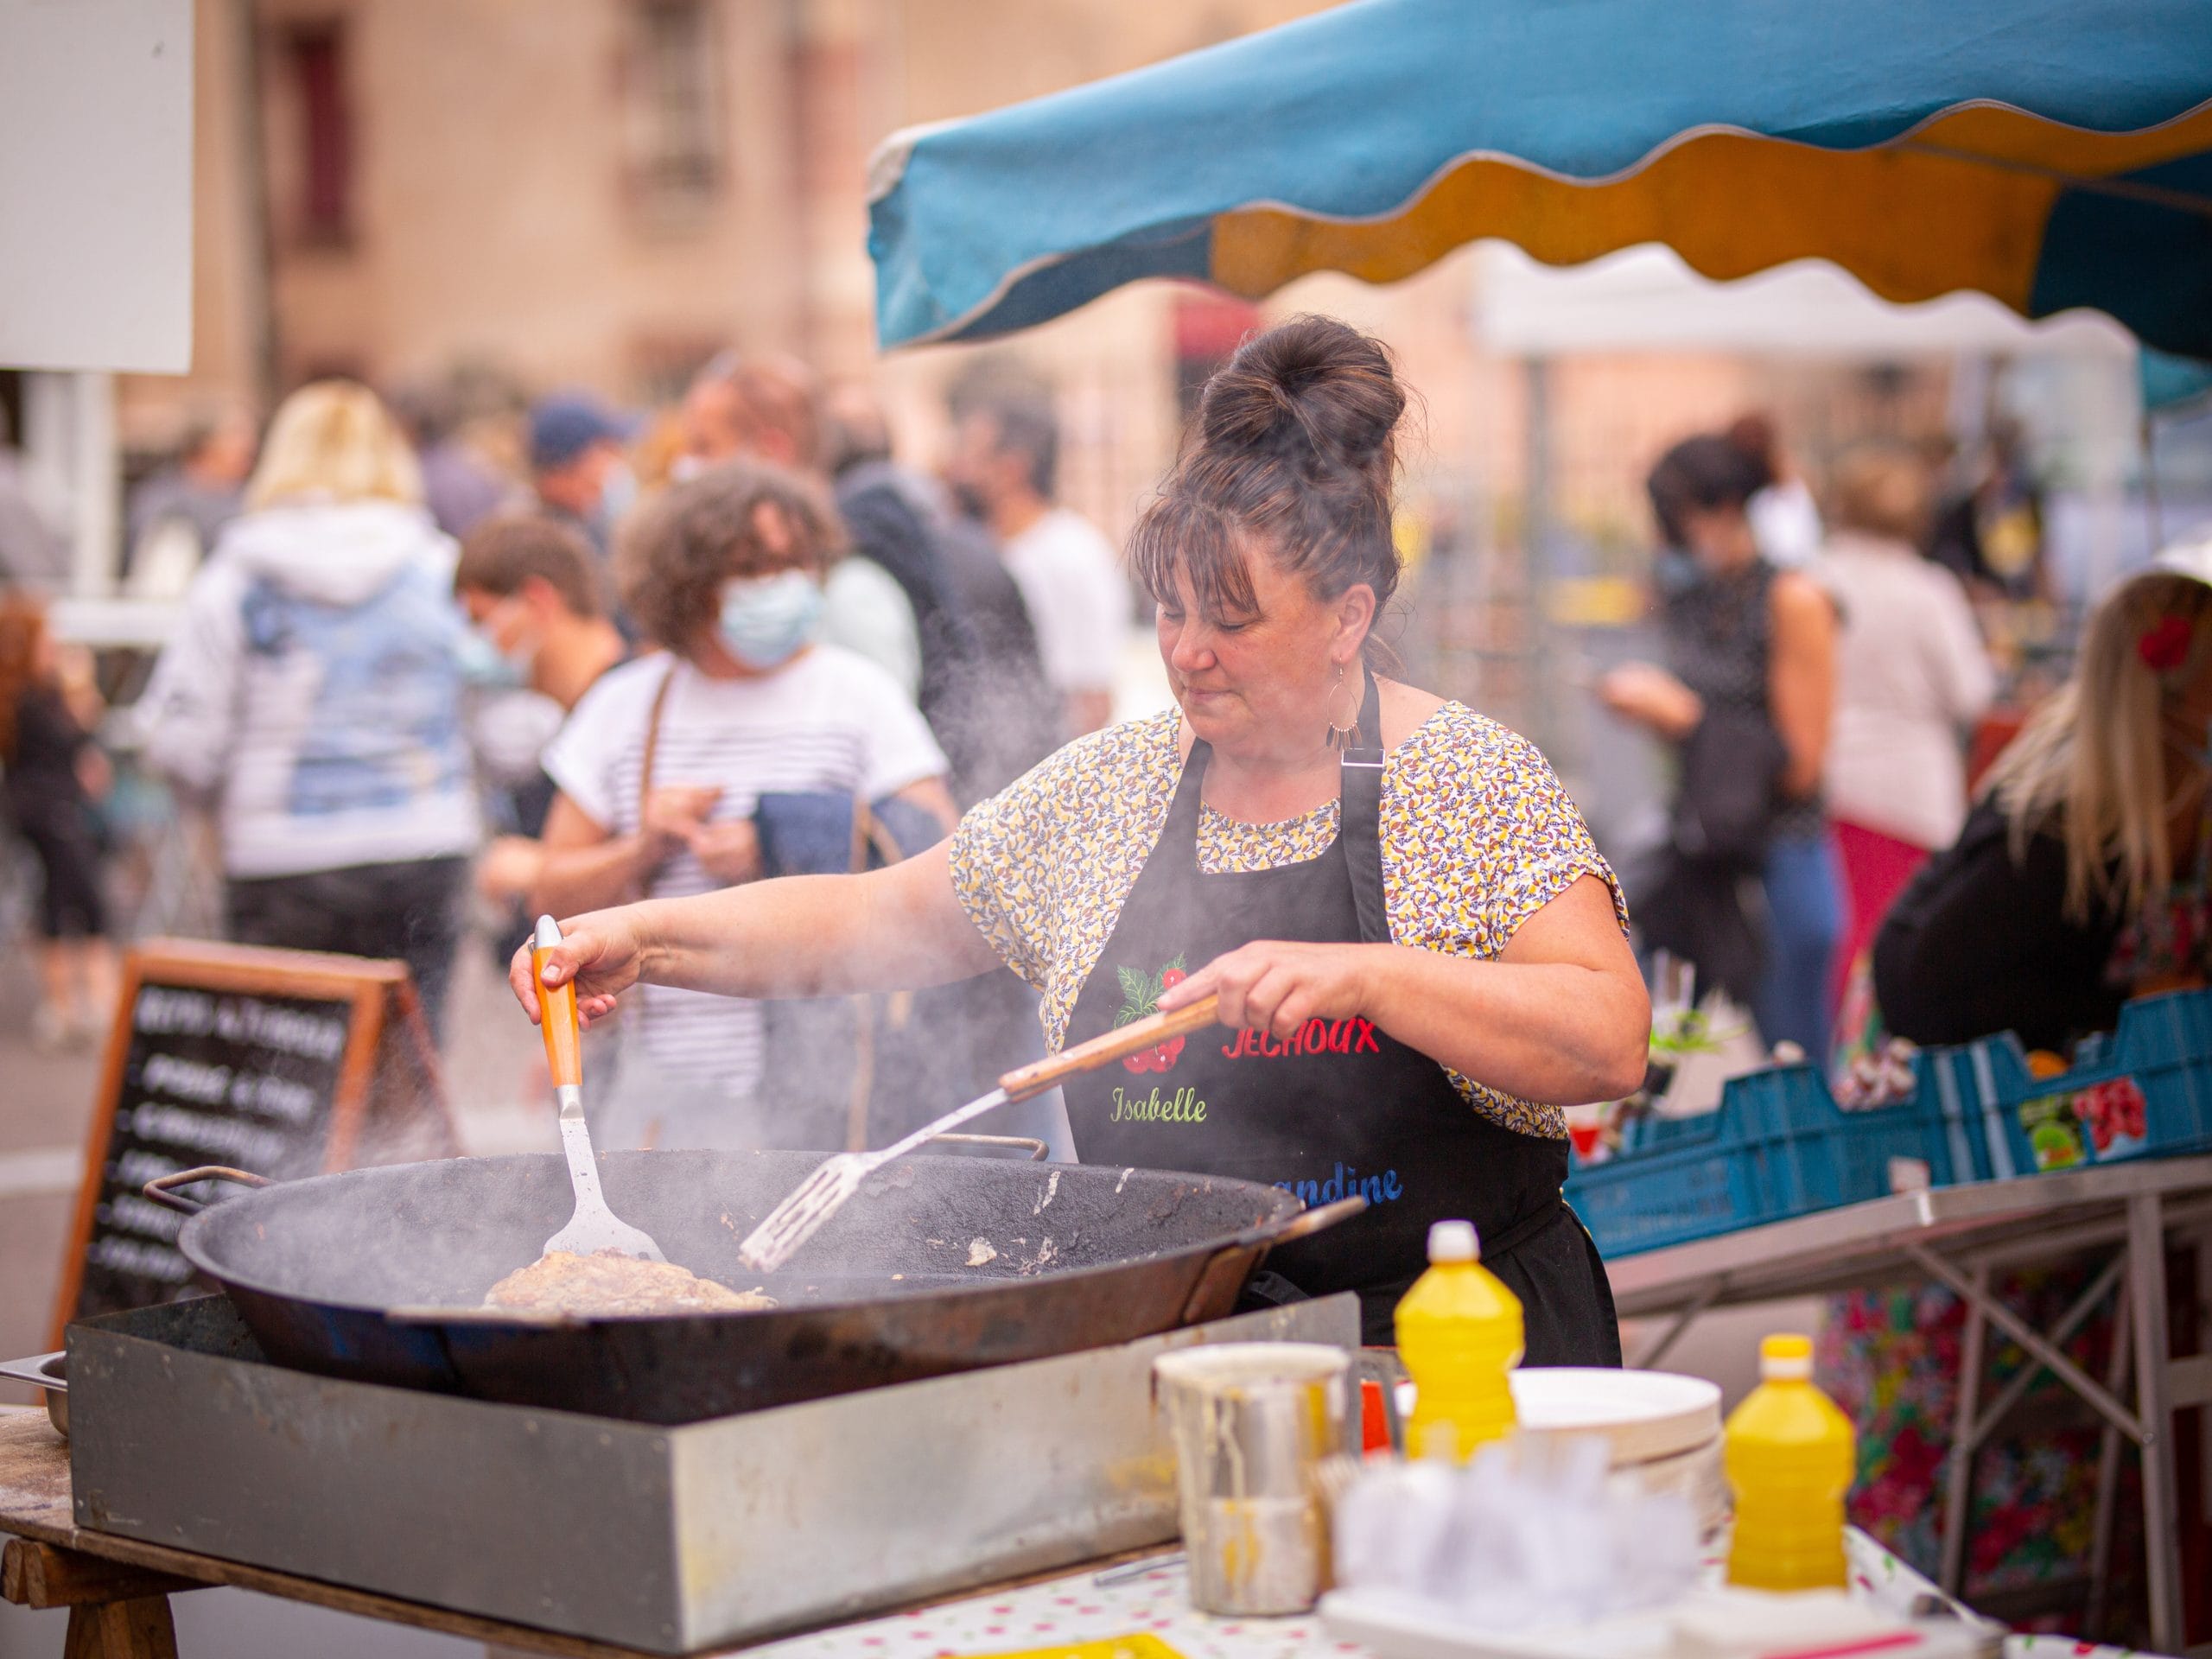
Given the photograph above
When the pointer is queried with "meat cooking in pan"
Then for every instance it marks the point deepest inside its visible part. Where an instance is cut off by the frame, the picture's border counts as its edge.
(608, 1282)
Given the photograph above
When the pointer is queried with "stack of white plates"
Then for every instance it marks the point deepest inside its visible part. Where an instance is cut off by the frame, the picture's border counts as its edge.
(1664, 1427)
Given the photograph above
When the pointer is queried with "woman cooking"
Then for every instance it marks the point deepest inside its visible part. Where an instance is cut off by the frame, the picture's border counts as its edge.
(1419, 953)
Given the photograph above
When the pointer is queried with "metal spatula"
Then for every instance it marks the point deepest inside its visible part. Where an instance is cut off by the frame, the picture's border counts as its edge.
(802, 1215)
(594, 1226)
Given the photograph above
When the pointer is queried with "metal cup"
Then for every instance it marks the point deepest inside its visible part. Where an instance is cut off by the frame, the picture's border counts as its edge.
(1251, 1423)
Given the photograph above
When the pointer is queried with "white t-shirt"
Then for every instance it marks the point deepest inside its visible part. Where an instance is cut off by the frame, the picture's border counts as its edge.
(1911, 676)
(865, 610)
(1077, 601)
(829, 722)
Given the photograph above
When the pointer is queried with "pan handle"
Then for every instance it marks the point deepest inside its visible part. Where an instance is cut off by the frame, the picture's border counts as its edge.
(33, 1371)
(1030, 1143)
(1299, 1224)
(161, 1189)
(1302, 1224)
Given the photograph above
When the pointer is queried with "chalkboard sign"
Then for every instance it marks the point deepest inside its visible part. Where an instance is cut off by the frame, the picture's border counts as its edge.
(286, 1063)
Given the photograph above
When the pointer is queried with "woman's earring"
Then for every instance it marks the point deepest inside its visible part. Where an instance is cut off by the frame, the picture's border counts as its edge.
(1342, 734)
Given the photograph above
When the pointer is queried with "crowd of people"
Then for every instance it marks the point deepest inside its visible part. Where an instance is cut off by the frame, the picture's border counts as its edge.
(1827, 864)
(561, 655)
(614, 657)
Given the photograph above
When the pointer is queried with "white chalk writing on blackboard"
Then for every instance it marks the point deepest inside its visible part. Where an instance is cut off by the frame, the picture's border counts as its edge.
(239, 1141)
(161, 1011)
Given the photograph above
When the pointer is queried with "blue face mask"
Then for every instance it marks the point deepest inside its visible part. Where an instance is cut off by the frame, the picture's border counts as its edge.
(618, 493)
(767, 621)
(484, 664)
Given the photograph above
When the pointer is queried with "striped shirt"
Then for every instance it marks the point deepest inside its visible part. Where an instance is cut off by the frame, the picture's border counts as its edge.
(828, 722)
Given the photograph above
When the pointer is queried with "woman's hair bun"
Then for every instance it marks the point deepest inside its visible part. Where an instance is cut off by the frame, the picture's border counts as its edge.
(1313, 392)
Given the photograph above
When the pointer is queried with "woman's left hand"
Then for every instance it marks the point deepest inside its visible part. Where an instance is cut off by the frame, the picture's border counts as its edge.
(1277, 985)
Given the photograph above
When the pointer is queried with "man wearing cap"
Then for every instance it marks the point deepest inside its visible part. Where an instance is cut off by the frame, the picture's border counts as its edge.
(577, 465)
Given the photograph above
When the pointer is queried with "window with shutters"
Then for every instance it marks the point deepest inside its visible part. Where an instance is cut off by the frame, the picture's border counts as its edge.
(674, 111)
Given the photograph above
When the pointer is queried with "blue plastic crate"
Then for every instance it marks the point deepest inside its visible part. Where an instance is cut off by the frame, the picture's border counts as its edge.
(1779, 1146)
(2158, 1065)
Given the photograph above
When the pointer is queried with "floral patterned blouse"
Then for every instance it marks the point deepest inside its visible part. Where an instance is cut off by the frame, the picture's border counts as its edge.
(1477, 835)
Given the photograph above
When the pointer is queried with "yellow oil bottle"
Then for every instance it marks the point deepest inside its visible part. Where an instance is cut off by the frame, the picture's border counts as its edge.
(1790, 1459)
(1459, 1333)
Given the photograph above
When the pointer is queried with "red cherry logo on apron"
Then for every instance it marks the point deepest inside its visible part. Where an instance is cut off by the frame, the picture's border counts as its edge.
(1140, 994)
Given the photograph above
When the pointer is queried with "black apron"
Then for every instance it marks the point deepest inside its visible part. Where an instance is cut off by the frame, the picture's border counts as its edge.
(1338, 1108)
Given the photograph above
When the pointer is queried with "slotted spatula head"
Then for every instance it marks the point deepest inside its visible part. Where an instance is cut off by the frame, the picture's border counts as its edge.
(801, 1216)
(594, 1226)
(824, 1194)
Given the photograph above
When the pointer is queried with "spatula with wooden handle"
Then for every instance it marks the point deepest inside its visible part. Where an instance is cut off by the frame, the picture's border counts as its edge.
(822, 1194)
(594, 1226)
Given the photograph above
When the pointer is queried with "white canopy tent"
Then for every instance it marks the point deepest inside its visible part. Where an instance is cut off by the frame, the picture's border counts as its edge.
(1646, 299)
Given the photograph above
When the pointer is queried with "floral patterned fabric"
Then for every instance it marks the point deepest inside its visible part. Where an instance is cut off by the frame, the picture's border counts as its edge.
(1891, 1358)
(2170, 939)
(1477, 835)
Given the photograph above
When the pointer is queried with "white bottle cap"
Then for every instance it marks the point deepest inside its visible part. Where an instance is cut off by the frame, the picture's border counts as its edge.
(1453, 1241)
(1786, 1359)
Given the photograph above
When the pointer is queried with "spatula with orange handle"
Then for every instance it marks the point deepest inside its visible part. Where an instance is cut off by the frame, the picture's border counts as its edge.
(594, 1226)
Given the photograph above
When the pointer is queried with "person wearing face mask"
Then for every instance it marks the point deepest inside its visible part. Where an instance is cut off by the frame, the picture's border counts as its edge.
(891, 599)
(1746, 699)
(538, 641)
(661, 769)
(2083, 875)
(1419, 954)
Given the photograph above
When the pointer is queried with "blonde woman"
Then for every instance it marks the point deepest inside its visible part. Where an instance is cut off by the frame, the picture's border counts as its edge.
(2082, 877)
(313, 692)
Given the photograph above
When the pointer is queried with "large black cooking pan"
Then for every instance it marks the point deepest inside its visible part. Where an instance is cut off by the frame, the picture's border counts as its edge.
(940, 1264)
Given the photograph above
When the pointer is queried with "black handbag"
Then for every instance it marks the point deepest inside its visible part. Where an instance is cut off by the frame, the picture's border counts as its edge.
(1731, 780)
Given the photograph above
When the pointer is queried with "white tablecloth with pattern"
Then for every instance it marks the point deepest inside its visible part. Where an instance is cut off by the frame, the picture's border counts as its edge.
(1065, 1612)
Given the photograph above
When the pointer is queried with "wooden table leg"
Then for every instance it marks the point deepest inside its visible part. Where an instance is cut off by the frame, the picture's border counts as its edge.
(139, 1629)
(115, 1611)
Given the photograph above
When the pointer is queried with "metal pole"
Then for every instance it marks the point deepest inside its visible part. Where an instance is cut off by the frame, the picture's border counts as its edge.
(2107, 1478)
(1958, 1478)
(2149, 436)
(93, 482)
(2076, 1316)
(2146, 1277)
(1656, 1350)
(1536, 531)
(2031, 1339)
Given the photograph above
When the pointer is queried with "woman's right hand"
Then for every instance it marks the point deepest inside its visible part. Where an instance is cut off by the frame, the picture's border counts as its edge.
(672, 815)
(602, 951)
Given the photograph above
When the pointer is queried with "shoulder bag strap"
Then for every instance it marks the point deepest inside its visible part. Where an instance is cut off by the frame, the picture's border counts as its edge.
(653, 737)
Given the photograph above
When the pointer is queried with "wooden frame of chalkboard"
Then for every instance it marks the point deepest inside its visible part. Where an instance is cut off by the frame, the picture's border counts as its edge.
(286, 1063)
